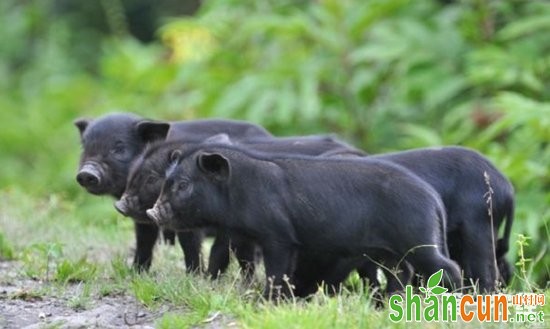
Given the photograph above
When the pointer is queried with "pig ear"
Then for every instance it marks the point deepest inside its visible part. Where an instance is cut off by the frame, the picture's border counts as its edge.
(81, 124)
(175, 156)
(150, 131)
(219, 139)
(214, 164)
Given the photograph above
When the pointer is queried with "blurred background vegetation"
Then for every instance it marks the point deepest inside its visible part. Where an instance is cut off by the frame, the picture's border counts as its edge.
(383, 74)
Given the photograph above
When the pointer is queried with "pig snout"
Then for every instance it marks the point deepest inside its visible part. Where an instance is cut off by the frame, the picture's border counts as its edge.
(128, 205)
(88, 176)
(153, 213)
(122, 206)
(160, 213)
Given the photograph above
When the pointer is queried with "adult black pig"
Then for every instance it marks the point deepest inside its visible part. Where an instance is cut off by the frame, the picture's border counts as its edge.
(110, 144)
(148, 172)
(290, 204)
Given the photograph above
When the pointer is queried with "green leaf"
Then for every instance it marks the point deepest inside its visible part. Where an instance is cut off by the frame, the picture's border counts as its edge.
(418, 135)
(435, 278)
(525, 26)
(438, 290)
(422, 289)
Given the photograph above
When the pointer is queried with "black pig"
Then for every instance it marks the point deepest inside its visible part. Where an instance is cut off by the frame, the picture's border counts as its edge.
(457, 174)
(290, 204)
(147, 175)
(112, 142)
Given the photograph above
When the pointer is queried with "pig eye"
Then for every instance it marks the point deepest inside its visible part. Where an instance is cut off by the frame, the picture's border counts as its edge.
(118, 149)
(151, 179)
(183, 185)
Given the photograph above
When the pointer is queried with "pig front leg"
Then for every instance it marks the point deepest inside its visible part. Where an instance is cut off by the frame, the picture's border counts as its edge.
(169, 237)
(146, 237)
(191, 242)
(244, 251)
(219, 254)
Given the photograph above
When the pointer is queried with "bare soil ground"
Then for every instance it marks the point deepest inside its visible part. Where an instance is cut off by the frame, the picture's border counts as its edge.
(26, 303)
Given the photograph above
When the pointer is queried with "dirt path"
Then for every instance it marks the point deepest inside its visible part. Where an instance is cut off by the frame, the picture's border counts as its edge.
(29, 304)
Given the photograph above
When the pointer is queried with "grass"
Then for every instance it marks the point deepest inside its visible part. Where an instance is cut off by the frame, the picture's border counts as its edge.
(82, 298)
(6, 250)
(85, 246)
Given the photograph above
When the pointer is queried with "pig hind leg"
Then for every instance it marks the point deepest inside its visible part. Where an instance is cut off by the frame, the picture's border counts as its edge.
(428, 260)
(279, 263)
(245, 252)
(478, 257)
(368, 272)
(397, 271)
(505, 271)
(309, 272)
(397, 277)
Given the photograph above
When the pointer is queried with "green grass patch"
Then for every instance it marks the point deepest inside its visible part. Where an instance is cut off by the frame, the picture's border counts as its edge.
(6, 250)
(39, 260)
(81, 299)
(80, 271)
(174, 320)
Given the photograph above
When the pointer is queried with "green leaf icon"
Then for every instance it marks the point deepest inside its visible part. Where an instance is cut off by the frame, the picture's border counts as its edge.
(438, 290)
(434, 279)
(422, 289)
